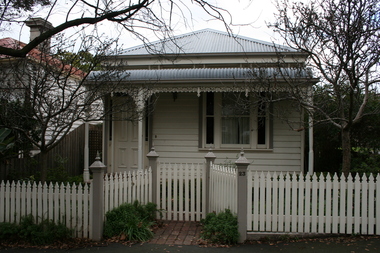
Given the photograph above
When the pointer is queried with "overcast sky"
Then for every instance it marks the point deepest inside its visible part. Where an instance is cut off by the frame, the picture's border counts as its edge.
(249, 16)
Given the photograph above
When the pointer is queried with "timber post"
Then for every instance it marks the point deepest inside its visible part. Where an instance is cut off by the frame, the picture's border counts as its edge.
(152, 157)
(242, 166)
(97, 169)
(210, 159)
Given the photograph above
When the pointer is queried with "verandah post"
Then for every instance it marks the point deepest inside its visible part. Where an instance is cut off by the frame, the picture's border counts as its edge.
(210, 159)
(242, 166)
(97, 169)
(152, 157)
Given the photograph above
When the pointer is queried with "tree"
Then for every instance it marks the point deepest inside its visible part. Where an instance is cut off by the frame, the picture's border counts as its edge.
(342, 41)
(133, 16)
(53, 97)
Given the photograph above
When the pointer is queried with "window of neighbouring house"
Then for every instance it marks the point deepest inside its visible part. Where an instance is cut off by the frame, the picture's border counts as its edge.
(233, 120)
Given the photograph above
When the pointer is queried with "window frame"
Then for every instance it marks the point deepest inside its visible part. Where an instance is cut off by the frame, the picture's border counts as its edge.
(253, 126)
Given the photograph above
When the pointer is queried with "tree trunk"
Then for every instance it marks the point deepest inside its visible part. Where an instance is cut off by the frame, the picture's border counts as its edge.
(346, 151)
(43, 168)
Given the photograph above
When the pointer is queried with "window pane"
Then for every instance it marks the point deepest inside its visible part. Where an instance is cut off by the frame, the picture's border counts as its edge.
(235, 104)
(235, 130)
(261, 130)
(210, 103)
(209, 130)
(261, 123)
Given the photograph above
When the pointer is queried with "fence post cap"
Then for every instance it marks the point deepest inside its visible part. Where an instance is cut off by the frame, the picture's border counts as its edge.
(152, 153)
(210, 154)
(242, 160)
(97, 165)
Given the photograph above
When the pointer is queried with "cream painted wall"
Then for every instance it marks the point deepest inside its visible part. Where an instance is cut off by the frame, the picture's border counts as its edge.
(175, 136)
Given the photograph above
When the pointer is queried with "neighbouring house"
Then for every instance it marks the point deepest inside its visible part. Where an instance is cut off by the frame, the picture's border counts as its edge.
(205, 91)
(57, 112)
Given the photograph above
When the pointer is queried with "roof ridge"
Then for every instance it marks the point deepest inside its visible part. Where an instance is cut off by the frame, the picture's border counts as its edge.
(197, 32)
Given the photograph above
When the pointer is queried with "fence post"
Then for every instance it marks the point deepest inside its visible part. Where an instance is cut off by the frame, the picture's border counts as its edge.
(97, 169)
(152, 157)
(210, 159)
(242, 166)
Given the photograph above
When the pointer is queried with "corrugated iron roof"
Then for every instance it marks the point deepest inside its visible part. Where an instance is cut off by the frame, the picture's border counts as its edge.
(206, 41)
(155, 75)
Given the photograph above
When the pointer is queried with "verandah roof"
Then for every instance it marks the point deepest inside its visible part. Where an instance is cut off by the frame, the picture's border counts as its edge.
(160, 75)
(204, 80)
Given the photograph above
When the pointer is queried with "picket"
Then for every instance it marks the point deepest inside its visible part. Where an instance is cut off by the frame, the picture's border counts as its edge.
(325, 204)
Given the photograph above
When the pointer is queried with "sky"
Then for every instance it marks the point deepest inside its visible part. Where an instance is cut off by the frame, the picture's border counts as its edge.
(248, 16)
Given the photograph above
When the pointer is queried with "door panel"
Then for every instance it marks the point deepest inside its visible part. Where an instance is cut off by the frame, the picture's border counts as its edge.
(126, 145)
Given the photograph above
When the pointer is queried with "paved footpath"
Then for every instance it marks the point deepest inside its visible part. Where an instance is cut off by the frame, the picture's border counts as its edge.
(182, 237)
(370, 244)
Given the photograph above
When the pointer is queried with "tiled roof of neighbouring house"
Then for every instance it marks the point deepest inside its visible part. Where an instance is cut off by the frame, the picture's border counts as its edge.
(39, 56)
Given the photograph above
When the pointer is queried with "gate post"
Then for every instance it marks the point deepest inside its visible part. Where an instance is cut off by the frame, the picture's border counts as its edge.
(210, 159)
(97, 169)
(242, 165)
(152, 157)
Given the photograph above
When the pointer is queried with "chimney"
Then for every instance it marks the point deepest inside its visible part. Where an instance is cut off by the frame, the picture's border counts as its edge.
(37, 27)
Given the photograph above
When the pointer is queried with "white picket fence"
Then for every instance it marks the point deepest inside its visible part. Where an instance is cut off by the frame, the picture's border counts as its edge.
(126, 187)
(312, 204)
(223, 188)
(64, 203)
(285, 203)
(180, 192)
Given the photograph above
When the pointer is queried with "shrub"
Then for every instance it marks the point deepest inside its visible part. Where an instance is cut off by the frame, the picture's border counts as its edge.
(134, 221)
(8, 231)
(43, 233)
(220, 228)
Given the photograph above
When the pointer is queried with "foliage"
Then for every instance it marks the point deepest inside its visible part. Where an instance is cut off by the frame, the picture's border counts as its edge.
(134, 221)
(27, 5)
(364, 162)
(59, 173)
(365, 139)
(6, 141)
(220, 228)
(82, 60)
(42, 233)
(8, 231)
(10, 115)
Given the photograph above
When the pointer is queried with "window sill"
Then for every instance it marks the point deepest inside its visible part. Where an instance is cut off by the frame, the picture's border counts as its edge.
(246, 150)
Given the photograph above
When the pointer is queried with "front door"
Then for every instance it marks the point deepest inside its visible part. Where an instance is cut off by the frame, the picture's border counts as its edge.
(126, 145)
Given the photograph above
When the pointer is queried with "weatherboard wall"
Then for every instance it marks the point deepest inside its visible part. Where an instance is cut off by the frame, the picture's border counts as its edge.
(175, 135)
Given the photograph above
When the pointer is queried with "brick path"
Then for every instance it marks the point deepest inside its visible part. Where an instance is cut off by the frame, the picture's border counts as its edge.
(177, 233)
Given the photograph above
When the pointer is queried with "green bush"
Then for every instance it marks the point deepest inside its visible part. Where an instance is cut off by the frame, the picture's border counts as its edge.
(43, 233)
(8, 231)
(131, 220)
(220, 228)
